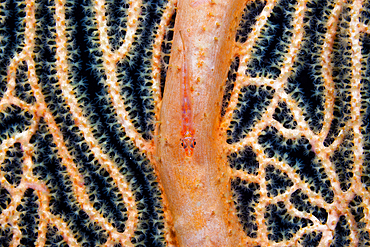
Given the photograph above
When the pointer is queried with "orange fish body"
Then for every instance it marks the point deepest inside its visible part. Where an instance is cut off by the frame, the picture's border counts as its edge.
(187, 133)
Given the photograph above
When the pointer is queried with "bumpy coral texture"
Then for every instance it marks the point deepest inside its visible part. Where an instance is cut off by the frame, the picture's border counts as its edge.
(82, 86)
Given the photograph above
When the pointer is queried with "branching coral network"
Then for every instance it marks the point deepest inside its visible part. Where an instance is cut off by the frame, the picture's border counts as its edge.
(82, 112)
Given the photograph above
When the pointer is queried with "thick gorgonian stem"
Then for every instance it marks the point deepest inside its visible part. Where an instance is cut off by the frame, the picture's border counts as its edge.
(198, 186)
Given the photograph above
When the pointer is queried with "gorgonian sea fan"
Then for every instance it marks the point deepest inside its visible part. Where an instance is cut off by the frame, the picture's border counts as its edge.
(92, 124)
